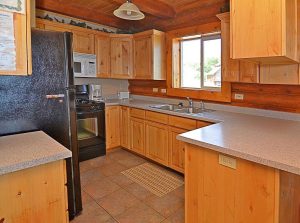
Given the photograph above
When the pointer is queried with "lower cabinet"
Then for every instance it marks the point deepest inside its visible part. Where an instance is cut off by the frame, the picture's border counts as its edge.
(150, 134)
(112, 127)
(124, 127)
(244, 192)
(157, 142)
(137, 135)
(37, 194)
(176, 149)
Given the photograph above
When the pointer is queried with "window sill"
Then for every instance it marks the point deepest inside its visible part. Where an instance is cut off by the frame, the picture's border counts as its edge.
(223, 95)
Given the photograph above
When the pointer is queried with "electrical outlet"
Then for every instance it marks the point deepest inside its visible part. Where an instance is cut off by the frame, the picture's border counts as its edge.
(164, 91)
(227, 161)
(239, 96)
(155, 90)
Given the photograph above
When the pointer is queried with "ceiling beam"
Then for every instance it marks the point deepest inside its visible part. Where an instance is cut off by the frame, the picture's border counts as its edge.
(156, 8)
(81, 13)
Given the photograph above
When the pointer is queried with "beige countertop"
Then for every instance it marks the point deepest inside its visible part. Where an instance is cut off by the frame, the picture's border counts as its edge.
(269, 141)
(21, 151)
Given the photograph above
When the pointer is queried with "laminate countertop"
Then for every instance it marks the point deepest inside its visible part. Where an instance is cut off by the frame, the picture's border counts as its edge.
(268, 141)
(22, 151)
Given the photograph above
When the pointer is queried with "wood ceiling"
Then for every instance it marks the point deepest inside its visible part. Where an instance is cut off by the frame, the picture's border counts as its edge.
(163, 15)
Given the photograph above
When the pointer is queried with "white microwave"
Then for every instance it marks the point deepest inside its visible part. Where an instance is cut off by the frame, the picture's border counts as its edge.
(85, 65)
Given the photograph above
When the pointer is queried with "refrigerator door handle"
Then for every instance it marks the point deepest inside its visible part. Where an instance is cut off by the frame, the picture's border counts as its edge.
(55, 96)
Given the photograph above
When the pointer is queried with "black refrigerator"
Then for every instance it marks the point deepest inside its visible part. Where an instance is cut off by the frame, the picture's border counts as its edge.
(45, 101)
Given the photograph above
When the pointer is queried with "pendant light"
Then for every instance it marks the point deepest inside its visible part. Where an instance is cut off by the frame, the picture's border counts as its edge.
(129, 11)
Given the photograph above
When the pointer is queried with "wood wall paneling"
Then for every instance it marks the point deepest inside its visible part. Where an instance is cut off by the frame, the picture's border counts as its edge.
(272, 97)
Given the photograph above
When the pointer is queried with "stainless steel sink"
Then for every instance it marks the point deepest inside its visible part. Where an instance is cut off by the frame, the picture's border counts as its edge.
(180, 109)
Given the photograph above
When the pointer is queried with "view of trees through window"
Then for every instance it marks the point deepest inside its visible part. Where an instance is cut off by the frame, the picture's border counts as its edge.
(195, 52)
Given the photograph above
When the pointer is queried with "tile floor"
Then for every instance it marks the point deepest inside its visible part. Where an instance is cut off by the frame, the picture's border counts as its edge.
(109, 196)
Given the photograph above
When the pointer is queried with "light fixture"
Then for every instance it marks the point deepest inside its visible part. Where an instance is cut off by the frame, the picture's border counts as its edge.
(129, 11)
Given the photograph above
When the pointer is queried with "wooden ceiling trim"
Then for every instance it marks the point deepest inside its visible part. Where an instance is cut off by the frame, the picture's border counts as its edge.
(81, 13)
(164, 15)
(156, 8)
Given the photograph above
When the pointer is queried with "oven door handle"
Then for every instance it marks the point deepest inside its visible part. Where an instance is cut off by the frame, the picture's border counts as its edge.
(89, 113)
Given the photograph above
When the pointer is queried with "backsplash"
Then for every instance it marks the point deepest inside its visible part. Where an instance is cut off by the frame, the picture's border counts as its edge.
(110, 87)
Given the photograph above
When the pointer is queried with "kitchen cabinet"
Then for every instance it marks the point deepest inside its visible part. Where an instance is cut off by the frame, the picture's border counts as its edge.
(153, 135)
(83, 39)
(280, 74)
(157, 142)
(137, 135)
(176, 149)
(53, 27)
(102, 51)
(149, 55)
(235, 70)
(112, 127)
(124, 127)
(237, 190)
(22, 35)
(83, 42)
(121, 56)
(183, 123)
(264, 31)
(37, 194)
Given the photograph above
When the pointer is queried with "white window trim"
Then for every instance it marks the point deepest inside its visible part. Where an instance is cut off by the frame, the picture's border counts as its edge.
(202, 39)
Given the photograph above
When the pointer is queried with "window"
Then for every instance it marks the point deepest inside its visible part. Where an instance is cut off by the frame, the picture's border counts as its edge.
(200, 62)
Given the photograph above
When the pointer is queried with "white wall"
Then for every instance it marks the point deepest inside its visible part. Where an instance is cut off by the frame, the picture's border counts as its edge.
(110, 87)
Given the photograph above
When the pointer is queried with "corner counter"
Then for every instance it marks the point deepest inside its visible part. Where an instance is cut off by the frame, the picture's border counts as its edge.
(33, 179)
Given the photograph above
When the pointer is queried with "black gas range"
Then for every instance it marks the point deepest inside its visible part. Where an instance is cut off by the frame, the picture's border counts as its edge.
(90, 128)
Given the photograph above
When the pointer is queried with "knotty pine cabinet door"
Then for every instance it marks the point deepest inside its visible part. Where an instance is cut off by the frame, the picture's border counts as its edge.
(102, 51)
(143, 62)
(150, 55)
(137, 135)
(234, 70)
(121, 56)
(176, 149)
(125, 127)
(83, 42)
(37, 194)
(112, 126)
(22, 35)
(157, 142)
(264, 31)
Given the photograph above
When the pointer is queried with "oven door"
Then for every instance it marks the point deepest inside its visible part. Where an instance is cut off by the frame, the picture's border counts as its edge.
(91, 128)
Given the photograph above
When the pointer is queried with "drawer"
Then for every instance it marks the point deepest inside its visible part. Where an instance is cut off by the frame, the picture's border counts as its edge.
(137, 113)
(183, 123)
(201, 124)
(157, 117)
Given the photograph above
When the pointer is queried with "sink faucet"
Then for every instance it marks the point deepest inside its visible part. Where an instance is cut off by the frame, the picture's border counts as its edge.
(191, 103)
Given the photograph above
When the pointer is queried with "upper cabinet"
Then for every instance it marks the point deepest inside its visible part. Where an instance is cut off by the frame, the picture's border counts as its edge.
(102, 50)
(22, 36)
(83, 39)
(234, 70)
(121, 56)
(149, 55)
(265, 31)
(83, 42)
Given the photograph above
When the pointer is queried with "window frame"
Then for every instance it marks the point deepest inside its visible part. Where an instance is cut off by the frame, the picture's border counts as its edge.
(172, 65)
(202, 39)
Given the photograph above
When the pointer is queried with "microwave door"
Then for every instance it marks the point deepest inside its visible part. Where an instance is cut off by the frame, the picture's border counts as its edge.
(78, 68)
